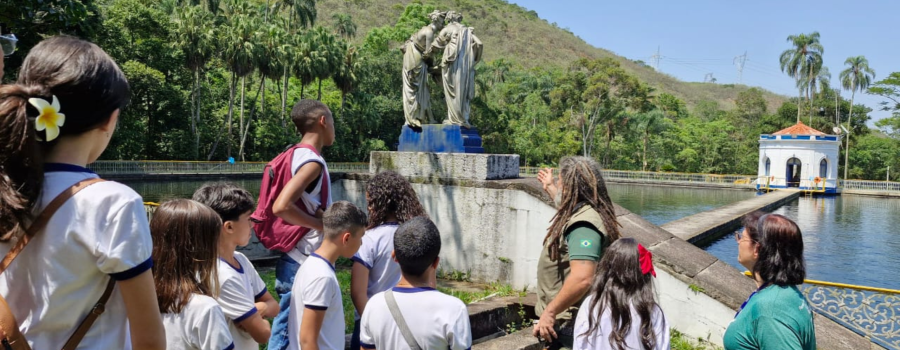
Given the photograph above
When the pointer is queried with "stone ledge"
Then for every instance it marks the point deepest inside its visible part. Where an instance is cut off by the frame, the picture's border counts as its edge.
(447, 165)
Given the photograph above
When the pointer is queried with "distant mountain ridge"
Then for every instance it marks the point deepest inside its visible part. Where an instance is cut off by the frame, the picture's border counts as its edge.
(512, 32)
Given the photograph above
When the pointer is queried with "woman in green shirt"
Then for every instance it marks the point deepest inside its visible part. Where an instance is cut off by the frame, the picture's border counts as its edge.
(776, 315)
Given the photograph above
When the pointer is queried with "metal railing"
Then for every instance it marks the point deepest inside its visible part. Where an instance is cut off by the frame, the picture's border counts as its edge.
(174, 167)
(869, 311)
(870, 185)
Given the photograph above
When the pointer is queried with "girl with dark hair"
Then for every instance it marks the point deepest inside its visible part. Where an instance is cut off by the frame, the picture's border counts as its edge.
(185, 250)
(585, 223)
(54, 121)
(391, 202)
(620, 312)
(776, 315)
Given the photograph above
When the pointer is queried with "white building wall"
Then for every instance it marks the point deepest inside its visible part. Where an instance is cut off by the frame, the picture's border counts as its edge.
(810, 153)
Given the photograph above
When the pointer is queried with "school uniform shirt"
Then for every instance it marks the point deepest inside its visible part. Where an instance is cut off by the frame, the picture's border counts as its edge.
(774, 317)
(313, 239)
(436, 320)
(316, 287)
(375, 255)
(100, 233)
(599, 339)
(200, 325)
(239, 289)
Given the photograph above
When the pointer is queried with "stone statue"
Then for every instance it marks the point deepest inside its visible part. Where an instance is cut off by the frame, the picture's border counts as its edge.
(417, 61)
(462, 51)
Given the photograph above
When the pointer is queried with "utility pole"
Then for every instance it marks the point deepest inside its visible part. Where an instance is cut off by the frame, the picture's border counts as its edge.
(655, 58)
(739, 62)
(708, 78)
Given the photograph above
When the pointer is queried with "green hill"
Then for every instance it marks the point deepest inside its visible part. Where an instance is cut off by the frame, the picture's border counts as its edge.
(515, 33)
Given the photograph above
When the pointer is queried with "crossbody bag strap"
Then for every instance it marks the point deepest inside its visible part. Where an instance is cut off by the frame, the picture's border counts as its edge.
(401, 322)
(9, 329)
(88, 321)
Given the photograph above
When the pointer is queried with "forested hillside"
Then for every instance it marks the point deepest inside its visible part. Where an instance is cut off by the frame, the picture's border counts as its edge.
(213, 79)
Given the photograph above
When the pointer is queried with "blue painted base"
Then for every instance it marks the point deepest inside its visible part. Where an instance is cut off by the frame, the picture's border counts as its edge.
(439, 138)
(828, 190)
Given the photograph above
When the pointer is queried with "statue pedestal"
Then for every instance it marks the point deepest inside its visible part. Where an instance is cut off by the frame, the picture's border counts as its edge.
(439, 138)
(447, 165)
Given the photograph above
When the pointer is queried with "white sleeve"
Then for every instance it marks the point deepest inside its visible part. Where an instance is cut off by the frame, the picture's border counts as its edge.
(366, 340)
(235, 301)
(210, 330)
(317, 295)
(582, 342)
(366, 253)
(661, 329)
(460, 337)
(124, 245)
(259, 286)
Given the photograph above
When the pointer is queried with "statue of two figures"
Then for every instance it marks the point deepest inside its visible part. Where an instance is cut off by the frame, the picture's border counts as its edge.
(455, 70)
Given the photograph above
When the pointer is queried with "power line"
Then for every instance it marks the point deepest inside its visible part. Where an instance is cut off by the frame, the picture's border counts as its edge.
(656, 58)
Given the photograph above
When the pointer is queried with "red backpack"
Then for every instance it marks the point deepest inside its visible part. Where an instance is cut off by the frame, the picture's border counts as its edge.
(273, 232)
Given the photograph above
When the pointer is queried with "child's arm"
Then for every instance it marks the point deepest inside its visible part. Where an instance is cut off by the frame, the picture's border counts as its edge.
(257, 327)
(285, 205)
(310, 326)
(359, 282)
(267, 305)
(142, 309)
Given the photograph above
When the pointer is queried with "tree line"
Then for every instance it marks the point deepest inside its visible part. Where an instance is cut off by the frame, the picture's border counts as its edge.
(215, 79)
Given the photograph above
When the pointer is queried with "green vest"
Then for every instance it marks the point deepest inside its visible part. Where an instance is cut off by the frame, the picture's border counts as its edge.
(551, 274)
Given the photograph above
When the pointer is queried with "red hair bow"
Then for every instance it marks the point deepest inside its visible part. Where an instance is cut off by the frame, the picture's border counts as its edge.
(646, 259)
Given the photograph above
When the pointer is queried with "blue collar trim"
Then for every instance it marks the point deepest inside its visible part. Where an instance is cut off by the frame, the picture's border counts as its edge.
(239, 269)
(412, 289)
(62, 167)
(323, 259)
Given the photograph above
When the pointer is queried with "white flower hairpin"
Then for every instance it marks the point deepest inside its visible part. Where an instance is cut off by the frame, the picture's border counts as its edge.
(49, 118)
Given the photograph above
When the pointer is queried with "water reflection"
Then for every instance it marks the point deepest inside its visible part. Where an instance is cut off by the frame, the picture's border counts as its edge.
(847, 239)
(661, 204)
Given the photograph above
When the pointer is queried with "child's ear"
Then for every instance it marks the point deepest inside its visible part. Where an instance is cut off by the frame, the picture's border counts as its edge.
(437, 261)
(228, 225)
(394, 256)
(345, 238)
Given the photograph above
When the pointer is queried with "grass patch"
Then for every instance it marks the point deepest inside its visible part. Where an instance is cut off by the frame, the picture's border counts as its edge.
(680, 341)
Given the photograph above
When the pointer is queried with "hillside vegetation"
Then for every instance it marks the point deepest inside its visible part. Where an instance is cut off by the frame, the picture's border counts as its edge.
(512, 32)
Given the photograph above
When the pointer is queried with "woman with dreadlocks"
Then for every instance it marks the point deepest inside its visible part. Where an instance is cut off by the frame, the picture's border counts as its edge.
(585, 223)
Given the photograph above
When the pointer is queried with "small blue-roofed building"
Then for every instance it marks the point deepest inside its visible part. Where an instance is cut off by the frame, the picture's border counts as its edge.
(799, 157)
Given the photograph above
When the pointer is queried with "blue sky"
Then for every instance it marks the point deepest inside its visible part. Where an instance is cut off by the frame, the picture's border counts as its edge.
(697, 37)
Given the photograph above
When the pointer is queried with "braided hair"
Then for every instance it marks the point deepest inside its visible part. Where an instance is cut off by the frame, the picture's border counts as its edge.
(581, 184)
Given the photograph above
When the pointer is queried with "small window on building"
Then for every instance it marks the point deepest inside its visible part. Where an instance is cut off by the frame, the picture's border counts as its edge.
(768, 166)
(823, 168)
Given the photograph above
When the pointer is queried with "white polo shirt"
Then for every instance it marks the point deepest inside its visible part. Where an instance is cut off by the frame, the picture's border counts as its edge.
(313, 239)
(200, 325)
(100, 233)
(375, 255)
(436, 320)
(316, 287)
(239, 289)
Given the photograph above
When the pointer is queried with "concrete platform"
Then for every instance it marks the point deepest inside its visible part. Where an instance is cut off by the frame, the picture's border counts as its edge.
(712, 224)
(466, 166)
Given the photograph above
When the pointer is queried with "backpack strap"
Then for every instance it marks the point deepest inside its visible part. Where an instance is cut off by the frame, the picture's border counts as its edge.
(324, 178)
(88, 321)
(9, 328)
(401, 322)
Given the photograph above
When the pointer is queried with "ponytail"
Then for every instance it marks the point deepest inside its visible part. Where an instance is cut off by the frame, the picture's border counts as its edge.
(21, 161)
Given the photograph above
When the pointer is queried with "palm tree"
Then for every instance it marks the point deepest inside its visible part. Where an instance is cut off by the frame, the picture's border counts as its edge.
(857, 77)
(344, 26)
(804, 60)
(328, 55)
(810, 84)
(305, 11)
(344, 76)
(238, 52)
(194, 34)
(650, 123)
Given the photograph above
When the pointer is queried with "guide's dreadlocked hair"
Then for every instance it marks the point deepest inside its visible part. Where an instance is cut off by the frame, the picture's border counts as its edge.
(581, 183)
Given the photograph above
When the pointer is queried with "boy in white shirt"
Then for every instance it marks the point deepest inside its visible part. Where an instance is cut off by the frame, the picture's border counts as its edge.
(436, 320)
(242, 293)
(316, 316)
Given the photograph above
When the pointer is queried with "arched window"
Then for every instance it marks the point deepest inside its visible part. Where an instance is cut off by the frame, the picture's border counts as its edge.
(792, 173)
(823, 168)
(768, 166)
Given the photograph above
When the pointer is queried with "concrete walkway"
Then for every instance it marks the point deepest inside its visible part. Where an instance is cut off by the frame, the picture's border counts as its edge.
(710, 225)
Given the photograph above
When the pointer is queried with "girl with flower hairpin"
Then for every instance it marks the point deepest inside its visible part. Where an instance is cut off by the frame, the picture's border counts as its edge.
(88, 240)
(620, 312)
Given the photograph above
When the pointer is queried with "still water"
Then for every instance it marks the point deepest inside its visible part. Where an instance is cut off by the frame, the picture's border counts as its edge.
(846, 239)
(661, 204)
